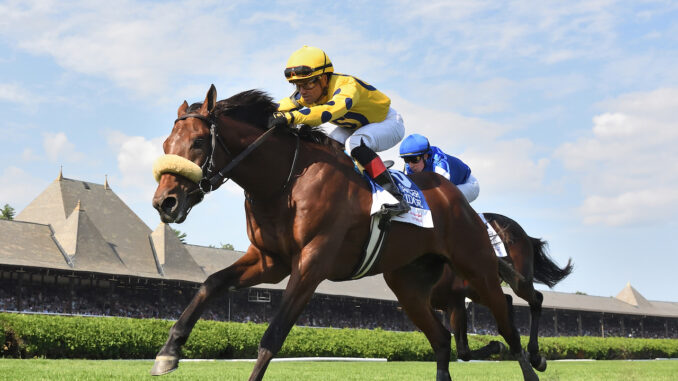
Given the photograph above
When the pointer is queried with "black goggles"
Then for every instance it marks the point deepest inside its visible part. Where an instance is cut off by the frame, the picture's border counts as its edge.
(303, 71)
(412, 159)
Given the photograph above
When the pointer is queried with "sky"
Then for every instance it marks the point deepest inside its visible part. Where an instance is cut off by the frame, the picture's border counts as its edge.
(566, 111)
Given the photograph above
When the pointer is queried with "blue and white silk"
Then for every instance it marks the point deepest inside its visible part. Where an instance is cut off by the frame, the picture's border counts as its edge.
(419, 214)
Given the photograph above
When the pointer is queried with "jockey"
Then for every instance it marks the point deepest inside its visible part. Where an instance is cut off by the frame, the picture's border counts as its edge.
(420, 156)
(366, 122)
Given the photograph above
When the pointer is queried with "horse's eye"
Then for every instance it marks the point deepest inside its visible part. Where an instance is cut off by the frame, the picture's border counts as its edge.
(198, 143)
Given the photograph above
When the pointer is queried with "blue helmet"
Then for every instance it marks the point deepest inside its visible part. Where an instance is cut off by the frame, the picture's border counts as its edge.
(414, 145)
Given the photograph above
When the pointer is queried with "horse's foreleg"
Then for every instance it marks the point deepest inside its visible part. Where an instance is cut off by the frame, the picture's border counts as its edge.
(300, 288)
(252, 268)
(458, 322)
(412, 286)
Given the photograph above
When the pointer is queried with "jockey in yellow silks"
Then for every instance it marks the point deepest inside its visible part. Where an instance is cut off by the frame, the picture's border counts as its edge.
(366, 122)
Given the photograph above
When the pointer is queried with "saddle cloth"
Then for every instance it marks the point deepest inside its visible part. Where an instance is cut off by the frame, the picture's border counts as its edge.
(419, 214)
(497, 243)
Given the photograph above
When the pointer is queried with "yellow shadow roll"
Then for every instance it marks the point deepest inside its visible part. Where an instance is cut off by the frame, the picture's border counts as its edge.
(177, 165)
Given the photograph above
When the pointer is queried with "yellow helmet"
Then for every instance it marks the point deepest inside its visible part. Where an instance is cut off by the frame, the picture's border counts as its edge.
(307, 62)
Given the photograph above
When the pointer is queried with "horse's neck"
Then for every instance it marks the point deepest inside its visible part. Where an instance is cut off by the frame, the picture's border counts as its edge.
(314, 162)
(264, 173)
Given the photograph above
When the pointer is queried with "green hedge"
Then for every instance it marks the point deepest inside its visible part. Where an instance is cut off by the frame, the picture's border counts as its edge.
(47, 336)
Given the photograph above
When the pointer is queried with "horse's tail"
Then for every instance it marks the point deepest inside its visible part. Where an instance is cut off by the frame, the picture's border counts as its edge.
(545, 270)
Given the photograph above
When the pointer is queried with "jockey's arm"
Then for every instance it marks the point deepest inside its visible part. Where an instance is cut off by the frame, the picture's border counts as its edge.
(343, 99)
(290, 103)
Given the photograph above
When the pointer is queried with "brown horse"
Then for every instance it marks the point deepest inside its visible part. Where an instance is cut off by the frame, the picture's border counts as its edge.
(308, 217)
(528, 256)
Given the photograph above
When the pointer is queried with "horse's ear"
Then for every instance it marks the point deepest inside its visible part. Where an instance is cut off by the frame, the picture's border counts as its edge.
(182, 109)
(210, 99)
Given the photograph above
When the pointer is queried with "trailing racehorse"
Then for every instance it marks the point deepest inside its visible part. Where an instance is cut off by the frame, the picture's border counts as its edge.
(527, 255)
(308, 216)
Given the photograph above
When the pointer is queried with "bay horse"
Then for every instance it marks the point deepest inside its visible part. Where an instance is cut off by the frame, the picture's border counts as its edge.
(308, 216)
(529, 257)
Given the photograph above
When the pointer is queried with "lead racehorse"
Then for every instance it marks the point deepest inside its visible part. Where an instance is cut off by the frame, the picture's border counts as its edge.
(308, 217)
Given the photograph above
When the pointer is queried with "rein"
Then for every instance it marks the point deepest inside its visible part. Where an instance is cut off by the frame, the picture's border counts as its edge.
(209, 181)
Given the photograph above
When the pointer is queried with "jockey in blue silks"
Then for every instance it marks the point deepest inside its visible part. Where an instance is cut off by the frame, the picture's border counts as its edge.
(420, 156)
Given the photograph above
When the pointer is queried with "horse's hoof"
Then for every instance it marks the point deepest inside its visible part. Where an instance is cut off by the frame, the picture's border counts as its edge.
(526, 367)
(164, 365)
(502, 347)
(443, 375)
(539, 363)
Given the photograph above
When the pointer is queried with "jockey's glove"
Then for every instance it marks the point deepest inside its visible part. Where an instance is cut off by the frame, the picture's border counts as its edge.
(278, 119)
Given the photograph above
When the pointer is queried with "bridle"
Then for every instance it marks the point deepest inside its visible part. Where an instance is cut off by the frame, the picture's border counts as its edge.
(211, 178)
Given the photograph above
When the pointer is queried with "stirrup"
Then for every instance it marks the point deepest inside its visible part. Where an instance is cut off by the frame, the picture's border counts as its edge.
(401, 207)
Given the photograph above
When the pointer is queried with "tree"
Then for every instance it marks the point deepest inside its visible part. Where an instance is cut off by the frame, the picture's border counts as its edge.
(227, 246)
(181, 235)
(7, 213)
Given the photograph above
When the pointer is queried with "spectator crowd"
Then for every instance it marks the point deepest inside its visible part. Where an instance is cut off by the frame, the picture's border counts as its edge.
(127, 298)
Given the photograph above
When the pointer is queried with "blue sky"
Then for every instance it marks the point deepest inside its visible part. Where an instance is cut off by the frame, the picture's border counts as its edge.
(566, 111)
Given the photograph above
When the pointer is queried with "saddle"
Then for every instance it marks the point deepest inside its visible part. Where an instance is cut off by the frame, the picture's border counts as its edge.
(419, 214)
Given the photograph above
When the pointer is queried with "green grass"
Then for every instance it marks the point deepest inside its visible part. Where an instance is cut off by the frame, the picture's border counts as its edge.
(39, 369)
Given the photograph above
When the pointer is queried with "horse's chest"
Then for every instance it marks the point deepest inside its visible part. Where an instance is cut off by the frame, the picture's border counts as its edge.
(271, 233)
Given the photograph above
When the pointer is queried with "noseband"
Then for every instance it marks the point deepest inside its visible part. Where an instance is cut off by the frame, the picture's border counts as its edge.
(211, 180)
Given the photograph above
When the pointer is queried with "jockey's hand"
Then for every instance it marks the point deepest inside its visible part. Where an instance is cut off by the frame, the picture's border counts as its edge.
(278, 119)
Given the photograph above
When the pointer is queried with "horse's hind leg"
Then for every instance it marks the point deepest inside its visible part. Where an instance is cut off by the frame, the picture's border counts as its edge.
(458, 325)
(252, 268)
(537, 360)
(523, 287)
(412, 285)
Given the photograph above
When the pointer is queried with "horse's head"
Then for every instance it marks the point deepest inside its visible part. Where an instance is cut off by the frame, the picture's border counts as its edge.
(187, 150)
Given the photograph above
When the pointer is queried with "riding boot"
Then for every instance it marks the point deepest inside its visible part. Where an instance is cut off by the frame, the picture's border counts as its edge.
(386, 182)
(375, 168)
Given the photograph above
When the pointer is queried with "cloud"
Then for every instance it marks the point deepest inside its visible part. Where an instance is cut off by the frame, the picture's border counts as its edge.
(135, 157)
(14, 94)
(628, 163)
(631, 208)
(500, 164)
(137, 45)
(28, 155)
(18, 187)
(58, 147)
(507, 166)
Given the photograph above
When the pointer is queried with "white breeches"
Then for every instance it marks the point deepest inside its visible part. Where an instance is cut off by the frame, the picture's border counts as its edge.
(378, 136)
(470, 188)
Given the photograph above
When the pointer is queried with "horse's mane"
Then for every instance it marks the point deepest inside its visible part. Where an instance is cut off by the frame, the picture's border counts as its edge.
(255, 107)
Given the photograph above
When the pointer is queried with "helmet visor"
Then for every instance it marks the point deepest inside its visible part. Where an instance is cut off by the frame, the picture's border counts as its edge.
(298, 71)
(304, 71)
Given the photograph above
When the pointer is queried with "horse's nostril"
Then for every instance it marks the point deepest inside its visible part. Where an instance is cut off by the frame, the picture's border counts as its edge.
(168, 204)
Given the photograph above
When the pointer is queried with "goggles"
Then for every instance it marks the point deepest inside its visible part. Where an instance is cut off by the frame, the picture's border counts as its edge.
(303, 71)
(306, 85)
(413, 159)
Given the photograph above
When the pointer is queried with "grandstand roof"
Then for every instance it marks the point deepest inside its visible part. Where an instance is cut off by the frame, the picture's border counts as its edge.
(579, 302)
(82, 226)
(87, 227)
